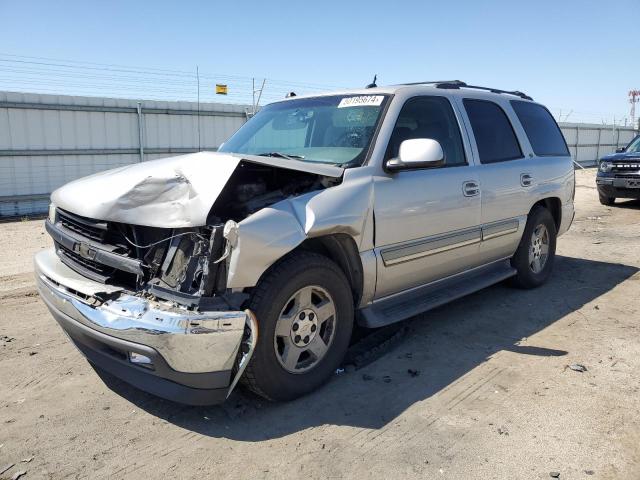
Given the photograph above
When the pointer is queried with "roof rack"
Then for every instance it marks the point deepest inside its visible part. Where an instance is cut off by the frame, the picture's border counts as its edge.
(455, 84)
(436, 82)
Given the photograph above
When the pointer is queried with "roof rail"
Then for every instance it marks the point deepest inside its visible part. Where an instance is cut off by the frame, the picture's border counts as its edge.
(487, 89)
(455, 84)
(429, 82)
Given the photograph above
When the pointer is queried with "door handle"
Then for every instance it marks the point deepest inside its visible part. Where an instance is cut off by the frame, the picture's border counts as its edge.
(526, 179)
(470, 188)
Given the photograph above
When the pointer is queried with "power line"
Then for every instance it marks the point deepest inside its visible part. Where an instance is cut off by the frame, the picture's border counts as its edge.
(168, 71)
(42, 73)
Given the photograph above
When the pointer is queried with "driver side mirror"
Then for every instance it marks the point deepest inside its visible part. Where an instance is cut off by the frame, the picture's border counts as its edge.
(620, 149)
(417, 153)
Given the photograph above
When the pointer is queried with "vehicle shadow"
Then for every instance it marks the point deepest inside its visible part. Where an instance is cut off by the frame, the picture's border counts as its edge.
(443, 345)
(627, 203)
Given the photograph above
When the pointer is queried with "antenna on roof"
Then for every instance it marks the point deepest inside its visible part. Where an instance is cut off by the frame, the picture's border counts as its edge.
(373, 84)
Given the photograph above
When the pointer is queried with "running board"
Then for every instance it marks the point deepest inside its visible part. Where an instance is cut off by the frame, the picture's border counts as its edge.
(427, 297)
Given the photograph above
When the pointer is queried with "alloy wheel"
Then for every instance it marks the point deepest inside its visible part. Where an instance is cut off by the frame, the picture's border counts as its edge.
(539, 248)
(305, 329)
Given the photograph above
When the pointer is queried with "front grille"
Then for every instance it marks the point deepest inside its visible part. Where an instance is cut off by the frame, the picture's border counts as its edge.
(89, 228)
(628, 175)
(85, 263)
(76, 237)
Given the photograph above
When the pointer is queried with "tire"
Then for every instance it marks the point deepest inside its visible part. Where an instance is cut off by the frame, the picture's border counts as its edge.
(604, 200)
(280, 304)
(541, 226)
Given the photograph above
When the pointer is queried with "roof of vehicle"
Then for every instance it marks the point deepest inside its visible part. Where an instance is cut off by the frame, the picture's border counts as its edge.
(449, 86)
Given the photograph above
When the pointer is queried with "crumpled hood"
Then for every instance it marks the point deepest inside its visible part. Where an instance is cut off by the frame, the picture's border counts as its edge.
(174, 192)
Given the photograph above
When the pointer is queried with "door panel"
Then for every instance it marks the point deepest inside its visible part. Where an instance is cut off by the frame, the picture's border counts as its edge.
(427, 221)
(505, 173)
(425, 227)
(504, 199)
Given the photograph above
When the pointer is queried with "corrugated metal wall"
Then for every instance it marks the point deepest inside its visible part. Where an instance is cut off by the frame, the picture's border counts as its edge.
(49, 140)
(589, 142)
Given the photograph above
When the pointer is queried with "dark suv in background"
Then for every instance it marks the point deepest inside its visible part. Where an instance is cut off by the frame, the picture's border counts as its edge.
(619, 174)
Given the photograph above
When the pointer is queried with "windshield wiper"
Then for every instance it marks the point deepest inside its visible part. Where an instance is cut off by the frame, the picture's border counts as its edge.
(281, 155)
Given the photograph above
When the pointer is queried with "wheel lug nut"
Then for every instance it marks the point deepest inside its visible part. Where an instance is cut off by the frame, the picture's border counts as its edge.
(295, 327)
(313, 328)
(306, 339)
(297, 338)
(301, 316)
(311, 316)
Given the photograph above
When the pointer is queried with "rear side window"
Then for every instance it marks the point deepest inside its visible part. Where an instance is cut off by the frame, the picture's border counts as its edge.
(494, 134)
(542, 130)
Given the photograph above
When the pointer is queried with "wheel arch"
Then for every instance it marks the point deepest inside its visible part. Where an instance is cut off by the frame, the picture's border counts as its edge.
(341, 248)
(554, 205)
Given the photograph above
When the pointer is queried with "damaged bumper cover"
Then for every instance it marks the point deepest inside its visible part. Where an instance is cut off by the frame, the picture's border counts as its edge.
(186, 356)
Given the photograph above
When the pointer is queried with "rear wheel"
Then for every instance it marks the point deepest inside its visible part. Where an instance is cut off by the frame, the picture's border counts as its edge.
(534, 258)
(604, 200)
(305, 314)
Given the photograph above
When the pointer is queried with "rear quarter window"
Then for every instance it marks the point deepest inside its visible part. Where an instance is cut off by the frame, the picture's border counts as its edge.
(493, 132)
(542, 130)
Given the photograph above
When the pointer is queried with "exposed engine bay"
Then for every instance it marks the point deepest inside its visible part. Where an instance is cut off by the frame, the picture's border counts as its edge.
(253, 187)
(185, 266)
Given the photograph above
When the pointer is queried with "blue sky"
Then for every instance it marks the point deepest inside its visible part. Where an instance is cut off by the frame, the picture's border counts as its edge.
(570, 55)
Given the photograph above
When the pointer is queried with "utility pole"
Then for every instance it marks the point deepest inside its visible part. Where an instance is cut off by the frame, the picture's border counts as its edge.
(254, 103)
(634, 97)
(198, 81)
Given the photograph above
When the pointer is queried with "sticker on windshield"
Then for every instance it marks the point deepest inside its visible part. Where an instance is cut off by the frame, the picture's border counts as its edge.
(362, 101)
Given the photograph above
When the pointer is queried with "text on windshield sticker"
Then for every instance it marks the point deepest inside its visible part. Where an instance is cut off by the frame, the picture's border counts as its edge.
(362, 101)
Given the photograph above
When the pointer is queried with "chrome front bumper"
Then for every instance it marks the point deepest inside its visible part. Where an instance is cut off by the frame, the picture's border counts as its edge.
(143, 341)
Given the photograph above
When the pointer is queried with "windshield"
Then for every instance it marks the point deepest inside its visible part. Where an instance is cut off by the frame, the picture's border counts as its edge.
(634, 146)
(334, 129)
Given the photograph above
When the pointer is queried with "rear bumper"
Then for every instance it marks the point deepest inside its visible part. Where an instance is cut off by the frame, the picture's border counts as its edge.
(181, 355)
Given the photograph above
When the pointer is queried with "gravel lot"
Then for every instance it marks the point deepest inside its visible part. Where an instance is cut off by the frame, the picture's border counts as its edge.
(494, 397)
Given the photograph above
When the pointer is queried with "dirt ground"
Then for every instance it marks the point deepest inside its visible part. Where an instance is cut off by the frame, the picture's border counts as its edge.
(494, 396)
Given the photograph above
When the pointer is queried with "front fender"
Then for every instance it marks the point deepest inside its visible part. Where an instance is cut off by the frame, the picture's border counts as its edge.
(266, 236)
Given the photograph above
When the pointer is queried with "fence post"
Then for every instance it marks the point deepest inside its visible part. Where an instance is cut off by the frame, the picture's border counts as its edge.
(598, 146)
(577, 140)
(140, 132)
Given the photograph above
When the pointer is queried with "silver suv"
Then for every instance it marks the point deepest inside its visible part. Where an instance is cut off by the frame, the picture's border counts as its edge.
(185, 275)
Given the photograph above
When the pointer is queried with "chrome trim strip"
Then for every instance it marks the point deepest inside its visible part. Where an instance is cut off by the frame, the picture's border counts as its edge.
(498, 229)
(430, 246)
(448, 241)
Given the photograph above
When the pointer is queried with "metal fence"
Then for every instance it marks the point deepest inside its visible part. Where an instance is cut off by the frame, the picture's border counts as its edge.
(589, 142)
(49, 140)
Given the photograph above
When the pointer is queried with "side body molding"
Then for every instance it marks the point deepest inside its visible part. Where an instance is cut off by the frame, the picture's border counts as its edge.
(272, 232)
(423, 247)
(430, 246)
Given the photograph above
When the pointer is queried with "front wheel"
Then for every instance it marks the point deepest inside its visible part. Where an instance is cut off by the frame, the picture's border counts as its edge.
(604, 200)
(535, 255)
(305, 315)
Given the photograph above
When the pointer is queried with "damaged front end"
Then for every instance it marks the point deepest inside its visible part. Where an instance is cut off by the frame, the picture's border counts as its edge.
(184, 266)
(153, 305)
(149, 305)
